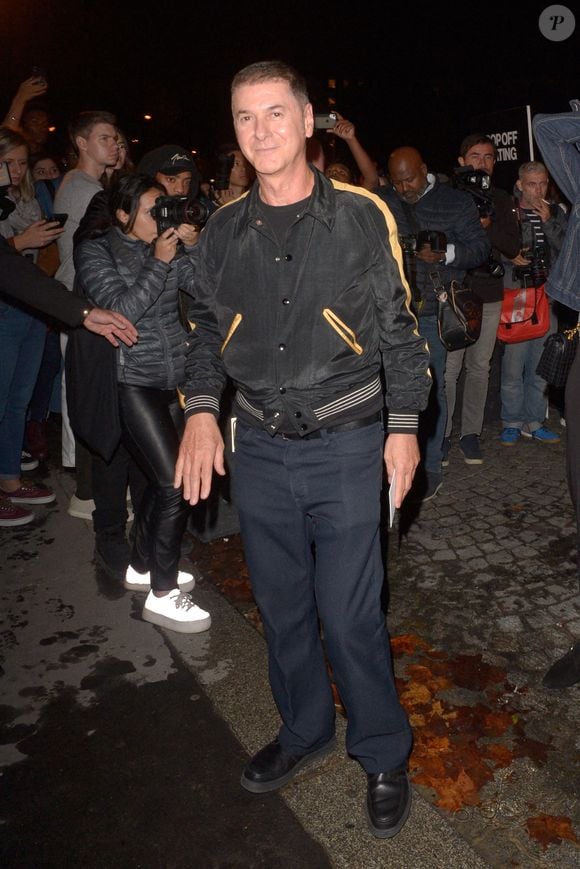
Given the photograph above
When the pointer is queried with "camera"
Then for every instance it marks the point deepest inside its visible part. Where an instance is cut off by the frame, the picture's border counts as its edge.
(477, 183)
(174, 210)
(536, 272)
(433, 237)
(225, 163)
(325, 122)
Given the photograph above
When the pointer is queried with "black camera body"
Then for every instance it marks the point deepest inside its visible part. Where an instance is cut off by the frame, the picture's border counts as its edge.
(172, 211)
(477, 183)
(536, 272)
(433, 237)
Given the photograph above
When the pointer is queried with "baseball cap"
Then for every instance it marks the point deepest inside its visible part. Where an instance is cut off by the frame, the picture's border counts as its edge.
(169, 160)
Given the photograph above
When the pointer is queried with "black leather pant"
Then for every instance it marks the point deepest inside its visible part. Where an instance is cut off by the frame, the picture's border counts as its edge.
(152, 424)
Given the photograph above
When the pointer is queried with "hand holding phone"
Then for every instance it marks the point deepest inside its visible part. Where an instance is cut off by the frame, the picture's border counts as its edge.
(61, 218)
(325, 122)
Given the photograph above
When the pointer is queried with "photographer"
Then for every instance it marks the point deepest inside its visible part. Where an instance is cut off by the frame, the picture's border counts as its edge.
(441, 235)
(477, 156)
(524, 401)
(139, 271)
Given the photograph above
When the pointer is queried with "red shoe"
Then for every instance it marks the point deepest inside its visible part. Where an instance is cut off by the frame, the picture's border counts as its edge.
(12, 515)
(33, 493)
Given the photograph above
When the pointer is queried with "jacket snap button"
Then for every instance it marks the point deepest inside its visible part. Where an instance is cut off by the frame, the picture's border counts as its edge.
(285, 301)
(281, 346)
(288, 257)
(297, 414)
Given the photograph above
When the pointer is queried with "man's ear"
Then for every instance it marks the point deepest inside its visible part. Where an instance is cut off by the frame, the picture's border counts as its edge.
(519, 184)
(461, 161)
(81, 143)
(308, 120)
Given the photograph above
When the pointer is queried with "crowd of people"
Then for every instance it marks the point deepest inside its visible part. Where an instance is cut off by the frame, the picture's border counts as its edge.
(307, 283)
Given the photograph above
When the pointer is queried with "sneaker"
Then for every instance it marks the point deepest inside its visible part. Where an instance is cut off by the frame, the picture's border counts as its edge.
(81, 509)
(469, 446)
(12, 515)
(445, 452)
(33, 493)
(27, 462)
(543, 434)
(510, 436)
(113, 554)
(177, 612)
(142, 581)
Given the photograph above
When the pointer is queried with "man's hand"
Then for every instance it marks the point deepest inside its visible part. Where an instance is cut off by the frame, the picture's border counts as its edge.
(201, 452)
(110, 324)
(402, 456)
(542, 209)
(427, 255)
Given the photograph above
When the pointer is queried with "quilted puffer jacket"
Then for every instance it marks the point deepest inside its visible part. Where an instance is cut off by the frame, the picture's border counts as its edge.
(116, 272)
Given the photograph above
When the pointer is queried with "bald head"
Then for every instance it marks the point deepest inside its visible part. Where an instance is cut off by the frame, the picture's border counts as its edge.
(408, 173)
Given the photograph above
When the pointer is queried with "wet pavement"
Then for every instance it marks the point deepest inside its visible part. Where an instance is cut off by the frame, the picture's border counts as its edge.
(121, 744)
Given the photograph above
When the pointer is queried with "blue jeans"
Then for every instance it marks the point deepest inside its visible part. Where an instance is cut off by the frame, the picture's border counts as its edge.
(524, 394)
(433, 420)
(22, 339)
(310, 522)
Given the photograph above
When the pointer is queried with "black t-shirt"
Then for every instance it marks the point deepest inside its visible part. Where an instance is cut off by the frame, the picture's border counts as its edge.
(281, 217)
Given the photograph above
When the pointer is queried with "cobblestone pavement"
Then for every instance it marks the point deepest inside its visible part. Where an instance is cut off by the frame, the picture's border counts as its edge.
(483, 597)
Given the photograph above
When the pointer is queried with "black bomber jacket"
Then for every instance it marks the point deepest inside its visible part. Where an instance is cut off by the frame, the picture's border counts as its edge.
(314, 333)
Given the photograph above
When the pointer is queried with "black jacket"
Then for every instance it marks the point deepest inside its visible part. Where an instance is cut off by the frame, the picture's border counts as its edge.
(114, 271)
(450, 211)
(22, 281)
(306, 330)
(504, 237)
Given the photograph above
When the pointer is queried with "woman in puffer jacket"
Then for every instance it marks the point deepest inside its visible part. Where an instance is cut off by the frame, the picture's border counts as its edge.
(138, 272)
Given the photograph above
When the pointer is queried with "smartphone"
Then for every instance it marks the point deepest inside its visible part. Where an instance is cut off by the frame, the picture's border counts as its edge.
(325, 122)
(62, 218)
(39, 73)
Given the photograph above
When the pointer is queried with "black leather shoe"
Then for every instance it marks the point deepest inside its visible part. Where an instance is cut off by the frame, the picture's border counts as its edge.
(271, 767)
(388, 802)
(564, 672)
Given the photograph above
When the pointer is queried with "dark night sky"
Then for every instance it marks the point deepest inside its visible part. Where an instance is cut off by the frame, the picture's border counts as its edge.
(413, 77)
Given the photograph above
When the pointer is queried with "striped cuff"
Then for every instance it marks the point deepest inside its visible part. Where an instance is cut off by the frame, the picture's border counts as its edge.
(403, 423)
(202, 404)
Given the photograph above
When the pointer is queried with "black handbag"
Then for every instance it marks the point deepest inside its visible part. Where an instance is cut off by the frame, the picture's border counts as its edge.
(459, 313)
(557, 356)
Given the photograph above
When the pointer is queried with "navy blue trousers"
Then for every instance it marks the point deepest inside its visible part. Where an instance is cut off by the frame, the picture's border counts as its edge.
(310, 522)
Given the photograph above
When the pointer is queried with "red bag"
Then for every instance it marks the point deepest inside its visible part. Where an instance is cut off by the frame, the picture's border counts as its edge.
(525, 314)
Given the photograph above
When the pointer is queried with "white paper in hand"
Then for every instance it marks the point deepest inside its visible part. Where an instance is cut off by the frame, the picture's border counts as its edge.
(392, 508)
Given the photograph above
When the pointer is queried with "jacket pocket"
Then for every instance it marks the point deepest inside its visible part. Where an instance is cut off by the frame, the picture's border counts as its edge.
(235, 323)
(344, 332)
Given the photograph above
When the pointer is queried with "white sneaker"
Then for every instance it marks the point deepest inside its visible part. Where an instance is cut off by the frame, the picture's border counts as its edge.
(27, 462)
(142, 581)
(177, 612)
(81, 509)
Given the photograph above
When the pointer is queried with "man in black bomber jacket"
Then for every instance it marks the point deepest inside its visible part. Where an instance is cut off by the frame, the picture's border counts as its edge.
(300, 299)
